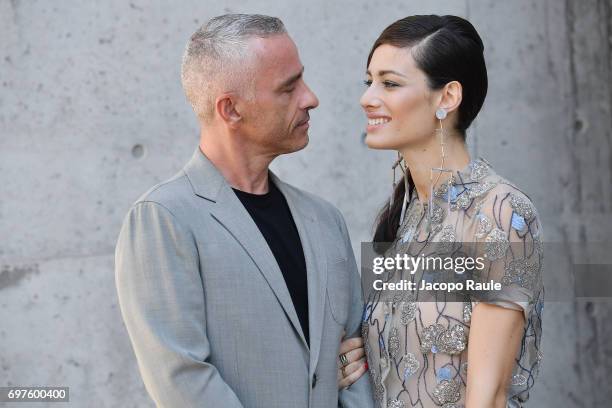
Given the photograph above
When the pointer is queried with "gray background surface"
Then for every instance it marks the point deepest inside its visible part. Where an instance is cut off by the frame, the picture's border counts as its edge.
(92, 114)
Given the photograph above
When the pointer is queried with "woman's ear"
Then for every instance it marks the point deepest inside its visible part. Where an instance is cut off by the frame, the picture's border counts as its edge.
(451, 96)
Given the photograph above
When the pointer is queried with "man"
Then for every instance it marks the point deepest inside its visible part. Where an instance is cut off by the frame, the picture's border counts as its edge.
(236, 287)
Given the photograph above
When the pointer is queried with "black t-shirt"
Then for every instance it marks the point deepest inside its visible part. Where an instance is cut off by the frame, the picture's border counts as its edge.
(271, 213)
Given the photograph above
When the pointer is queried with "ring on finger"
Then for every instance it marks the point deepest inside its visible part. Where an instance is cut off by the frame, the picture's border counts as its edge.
(343, 360)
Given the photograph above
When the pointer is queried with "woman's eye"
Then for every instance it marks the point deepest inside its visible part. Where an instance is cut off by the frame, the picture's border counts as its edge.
(386, 84)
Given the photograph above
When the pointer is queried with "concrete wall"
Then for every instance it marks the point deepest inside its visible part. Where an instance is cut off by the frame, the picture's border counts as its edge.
(92, 114)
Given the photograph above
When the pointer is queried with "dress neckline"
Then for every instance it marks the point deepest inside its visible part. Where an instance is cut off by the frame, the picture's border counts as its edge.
(473, 172)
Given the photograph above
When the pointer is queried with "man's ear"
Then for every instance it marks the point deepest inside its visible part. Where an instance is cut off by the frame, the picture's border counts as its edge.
(226, 107)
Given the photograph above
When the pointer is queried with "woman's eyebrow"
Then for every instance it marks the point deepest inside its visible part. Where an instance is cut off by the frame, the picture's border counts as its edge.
(387, 71)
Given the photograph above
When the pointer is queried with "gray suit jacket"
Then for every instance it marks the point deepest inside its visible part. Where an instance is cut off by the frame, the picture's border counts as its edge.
(206, 306)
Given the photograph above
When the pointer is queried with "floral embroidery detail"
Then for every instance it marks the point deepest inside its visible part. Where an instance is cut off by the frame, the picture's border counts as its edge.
(444, 373)
(483, 227)
(521, 272)
(479, 189)
(428, 340)
(411, 365)
(379, 389)
(519, 380)
(394, 342)
(403, 296)
(365, 332)
(395, 403)
(446, 391)
(537, 243)
(438, 339)
(467, 312)
(517, 222)
(453, 341)
(521, 206)
(441, 191)
(496, 244)
(437, 214)
(464, 199)
(479, 170)
(447, 238)
(435, 229)
(408, 312)
(383, 362)
(398, 297)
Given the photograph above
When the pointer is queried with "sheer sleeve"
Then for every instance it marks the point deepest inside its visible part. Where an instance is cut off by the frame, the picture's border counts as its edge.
(507, 236)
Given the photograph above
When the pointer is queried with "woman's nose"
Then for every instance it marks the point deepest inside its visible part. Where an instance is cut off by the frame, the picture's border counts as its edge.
(369, 99)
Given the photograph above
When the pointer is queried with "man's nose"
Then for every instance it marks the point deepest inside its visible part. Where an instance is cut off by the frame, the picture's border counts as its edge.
(310, 100)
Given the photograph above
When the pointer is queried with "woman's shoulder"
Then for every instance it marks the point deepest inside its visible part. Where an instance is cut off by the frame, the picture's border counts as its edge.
(503, 193)
(505, 207)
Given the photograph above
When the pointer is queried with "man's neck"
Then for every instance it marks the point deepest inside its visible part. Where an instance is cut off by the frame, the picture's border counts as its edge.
(243, 169)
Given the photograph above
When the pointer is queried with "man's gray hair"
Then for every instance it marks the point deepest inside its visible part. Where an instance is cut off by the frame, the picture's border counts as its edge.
(215, 58)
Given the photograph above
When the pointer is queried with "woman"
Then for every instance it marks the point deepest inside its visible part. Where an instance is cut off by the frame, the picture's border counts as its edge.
(426, 82)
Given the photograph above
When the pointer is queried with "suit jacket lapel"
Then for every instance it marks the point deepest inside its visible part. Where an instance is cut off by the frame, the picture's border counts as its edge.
(208, 183)
(316, 266)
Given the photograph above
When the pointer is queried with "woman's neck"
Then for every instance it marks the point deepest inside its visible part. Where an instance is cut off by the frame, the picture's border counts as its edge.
(421, 159)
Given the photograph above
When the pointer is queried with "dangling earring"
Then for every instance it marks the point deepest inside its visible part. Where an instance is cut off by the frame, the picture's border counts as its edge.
(394, 184)
(397, 163)
(406, 192)
(440, 115)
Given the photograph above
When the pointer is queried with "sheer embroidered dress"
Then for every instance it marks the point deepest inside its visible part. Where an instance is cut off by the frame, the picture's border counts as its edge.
(417, 350)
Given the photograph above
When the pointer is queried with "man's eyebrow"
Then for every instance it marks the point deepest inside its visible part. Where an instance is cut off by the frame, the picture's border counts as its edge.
(387, 71)
(292, 79)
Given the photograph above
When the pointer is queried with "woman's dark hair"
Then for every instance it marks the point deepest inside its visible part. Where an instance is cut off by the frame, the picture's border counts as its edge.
(445, 48)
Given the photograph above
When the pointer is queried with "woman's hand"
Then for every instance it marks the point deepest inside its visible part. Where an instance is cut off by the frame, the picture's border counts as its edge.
(351, 362)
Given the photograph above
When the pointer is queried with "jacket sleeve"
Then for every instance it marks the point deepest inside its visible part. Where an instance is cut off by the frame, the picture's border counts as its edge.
(162, 303)
(359, 394)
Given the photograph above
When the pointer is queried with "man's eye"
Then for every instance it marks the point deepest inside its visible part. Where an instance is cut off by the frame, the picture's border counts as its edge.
(367, 82)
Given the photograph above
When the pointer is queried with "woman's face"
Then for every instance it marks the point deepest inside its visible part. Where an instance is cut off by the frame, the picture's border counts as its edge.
(397, 102)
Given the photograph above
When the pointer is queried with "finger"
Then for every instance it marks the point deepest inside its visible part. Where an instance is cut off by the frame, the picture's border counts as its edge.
(355, 354)
(356, 375)
(351, 344)
(353, 377)
(354, 366)
(352, 356)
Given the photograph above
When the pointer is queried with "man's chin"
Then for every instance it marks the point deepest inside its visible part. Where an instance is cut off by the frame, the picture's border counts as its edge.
(299, 143)
(304, 142)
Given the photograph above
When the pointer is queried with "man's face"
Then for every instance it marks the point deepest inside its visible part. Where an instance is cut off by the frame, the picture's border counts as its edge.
(277, 119)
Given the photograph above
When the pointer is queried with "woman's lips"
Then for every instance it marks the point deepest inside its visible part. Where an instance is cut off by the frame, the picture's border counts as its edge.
(376, 123)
